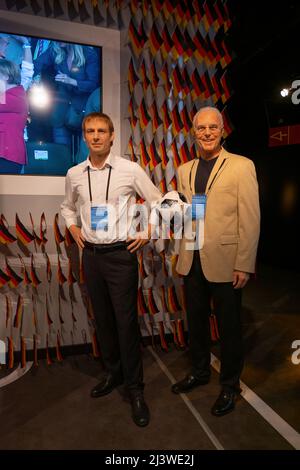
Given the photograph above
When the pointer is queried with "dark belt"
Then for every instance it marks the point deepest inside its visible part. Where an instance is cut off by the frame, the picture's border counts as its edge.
(105, 247)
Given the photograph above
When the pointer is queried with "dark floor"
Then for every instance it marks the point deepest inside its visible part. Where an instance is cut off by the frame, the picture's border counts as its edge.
(50, 407)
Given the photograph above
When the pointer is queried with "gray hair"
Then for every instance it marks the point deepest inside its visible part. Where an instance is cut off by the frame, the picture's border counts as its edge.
(209, 108)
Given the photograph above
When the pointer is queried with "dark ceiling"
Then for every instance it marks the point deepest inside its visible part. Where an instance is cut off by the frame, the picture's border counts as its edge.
(265, 41)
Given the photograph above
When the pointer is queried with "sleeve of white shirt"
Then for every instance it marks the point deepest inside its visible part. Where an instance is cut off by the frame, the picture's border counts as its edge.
(144, 186)
(26, 74)
(68, 207)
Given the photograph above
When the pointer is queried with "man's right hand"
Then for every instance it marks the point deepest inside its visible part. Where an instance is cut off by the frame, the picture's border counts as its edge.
(77, 235)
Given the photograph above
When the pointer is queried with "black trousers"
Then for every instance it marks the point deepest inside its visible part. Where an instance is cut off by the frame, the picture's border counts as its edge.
(112, 282)
(227, 308)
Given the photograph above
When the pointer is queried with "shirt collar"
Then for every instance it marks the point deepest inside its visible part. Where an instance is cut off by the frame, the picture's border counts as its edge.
(109, 162)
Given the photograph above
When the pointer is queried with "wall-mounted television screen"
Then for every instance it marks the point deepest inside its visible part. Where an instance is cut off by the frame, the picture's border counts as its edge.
(46, 88)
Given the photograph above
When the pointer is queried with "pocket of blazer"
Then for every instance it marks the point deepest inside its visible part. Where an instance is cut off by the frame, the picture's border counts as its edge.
(229, 239)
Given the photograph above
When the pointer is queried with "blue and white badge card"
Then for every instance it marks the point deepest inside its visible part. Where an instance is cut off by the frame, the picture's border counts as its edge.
(99, 218)
(198, 206)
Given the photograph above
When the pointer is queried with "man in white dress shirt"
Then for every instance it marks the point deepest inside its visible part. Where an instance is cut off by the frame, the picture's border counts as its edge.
(104, 188)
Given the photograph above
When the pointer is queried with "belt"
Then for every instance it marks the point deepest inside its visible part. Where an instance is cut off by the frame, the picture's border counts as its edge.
(105, 247)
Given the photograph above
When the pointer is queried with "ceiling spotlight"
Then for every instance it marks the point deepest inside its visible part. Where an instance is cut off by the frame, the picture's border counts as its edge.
(284, 92)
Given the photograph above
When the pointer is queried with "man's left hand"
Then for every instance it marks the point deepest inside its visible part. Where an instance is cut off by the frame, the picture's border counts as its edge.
(240, 279)
(136, 244)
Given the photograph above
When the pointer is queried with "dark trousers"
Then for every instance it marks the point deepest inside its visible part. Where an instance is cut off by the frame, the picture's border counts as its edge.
(227, 308)
(112, 282)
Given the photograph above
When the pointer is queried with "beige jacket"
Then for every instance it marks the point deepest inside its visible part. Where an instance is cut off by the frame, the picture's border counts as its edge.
(232, 218)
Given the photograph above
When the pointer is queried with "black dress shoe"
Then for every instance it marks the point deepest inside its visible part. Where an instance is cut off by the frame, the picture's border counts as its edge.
(188, 383)
(225, 402)
(139, 410)
(105, 386)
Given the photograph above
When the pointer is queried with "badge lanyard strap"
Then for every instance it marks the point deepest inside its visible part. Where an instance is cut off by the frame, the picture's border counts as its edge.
(107, 185)
(190, 179)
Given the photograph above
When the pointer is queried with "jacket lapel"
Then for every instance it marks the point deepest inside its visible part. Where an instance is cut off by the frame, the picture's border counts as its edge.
(217, 169)
(193, 175)
(189, 178)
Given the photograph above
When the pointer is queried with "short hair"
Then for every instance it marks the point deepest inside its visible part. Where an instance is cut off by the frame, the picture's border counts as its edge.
(97, 115)
(12, 71)
(209, 108)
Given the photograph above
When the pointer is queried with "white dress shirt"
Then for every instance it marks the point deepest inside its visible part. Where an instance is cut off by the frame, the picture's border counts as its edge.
(126, 180)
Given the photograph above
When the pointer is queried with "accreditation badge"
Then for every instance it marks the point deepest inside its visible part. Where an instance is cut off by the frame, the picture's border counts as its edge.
(99, 218)
(194, 223)
(198, 206)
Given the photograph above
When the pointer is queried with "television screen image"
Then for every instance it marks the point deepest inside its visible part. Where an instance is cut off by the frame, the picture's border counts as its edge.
(46, 88)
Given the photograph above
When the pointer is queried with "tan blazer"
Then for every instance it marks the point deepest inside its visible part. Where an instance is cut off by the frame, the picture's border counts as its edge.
(232, 218)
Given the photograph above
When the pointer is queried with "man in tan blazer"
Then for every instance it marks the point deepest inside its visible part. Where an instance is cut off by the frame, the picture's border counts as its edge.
(221, 268)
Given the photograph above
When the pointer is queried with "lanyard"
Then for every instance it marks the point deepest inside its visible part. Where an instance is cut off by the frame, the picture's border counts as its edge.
(107, 185)
(190, 178)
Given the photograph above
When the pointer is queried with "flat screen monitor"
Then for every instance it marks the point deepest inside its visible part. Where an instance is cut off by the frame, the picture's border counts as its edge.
(47, 86)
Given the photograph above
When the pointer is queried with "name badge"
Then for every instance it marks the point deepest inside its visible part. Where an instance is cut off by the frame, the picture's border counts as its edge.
(99, 218)
(198, 206)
